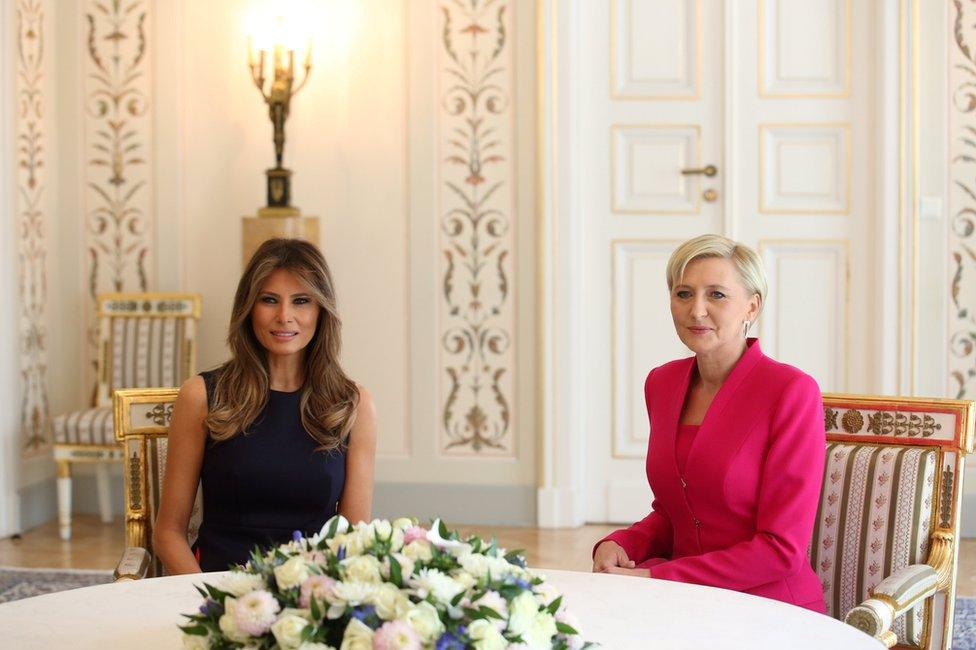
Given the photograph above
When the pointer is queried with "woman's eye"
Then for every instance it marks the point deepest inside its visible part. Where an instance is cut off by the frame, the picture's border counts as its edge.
(718, 295)
(268, 300)
(683, 294)
(301, 301)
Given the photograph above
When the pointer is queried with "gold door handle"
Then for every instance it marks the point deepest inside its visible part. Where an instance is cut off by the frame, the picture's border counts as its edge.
(707, 170)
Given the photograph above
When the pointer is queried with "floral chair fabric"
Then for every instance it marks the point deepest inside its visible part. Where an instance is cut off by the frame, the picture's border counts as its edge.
(142, 418)
(884, 538)
(144, 340)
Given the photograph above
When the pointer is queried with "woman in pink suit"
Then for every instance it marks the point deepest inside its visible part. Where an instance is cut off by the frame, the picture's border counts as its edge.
(736, 452)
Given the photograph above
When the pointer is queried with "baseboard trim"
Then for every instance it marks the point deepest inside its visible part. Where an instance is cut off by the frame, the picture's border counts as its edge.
(39, 501)
(492, 505)
(968, 514)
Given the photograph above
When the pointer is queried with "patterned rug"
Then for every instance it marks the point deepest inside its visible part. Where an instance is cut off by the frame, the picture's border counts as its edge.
(964, 628)
(16, 583)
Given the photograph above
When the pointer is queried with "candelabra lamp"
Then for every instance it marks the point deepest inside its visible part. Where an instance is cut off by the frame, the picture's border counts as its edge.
(279, 218)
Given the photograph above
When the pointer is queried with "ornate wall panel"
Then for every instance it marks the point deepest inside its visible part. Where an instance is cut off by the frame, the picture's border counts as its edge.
(118, 147)
(31, 141)
(476, 191)
(962, 205)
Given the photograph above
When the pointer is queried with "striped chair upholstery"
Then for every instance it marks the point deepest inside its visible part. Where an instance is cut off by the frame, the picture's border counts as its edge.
(884, 538)
(142, 418)
(144, 340)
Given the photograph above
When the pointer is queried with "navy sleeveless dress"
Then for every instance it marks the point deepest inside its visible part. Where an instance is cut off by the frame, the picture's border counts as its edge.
(261, 486)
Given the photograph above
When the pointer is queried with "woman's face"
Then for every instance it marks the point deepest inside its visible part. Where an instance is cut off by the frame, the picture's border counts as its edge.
(284, 316)
(710, 305)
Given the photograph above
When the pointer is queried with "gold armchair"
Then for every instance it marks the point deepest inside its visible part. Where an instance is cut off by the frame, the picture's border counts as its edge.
(142, 418)
(144, 339)
(885, 539)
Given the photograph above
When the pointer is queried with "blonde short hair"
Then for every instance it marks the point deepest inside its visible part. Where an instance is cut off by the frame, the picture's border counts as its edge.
(746, 261)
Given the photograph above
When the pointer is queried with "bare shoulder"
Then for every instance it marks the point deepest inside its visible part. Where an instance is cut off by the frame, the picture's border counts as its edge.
(366, 409)
(193, 392)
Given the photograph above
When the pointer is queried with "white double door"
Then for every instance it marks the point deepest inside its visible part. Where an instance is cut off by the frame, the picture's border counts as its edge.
(750, 118)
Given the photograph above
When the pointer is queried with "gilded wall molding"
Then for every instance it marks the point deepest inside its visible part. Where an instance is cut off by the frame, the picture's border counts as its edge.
(118, 149)
(476, 191)
(31, 142)
(962, 207)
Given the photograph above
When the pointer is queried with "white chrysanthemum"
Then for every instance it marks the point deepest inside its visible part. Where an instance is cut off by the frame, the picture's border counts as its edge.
(424, 619)
(357, 636)
(435, 583)
(255, 612)
(418, 551)
(292, 573)
(228, 622)
(361, 568)
(238, 583)
(486, 636)
(287, 631)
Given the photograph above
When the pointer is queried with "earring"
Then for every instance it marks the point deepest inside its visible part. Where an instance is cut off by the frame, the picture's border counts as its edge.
(745, 329)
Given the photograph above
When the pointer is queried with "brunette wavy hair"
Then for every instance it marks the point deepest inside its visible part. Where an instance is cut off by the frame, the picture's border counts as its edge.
(329, 398)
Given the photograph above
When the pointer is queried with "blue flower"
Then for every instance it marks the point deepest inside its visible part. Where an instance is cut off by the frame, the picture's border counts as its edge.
(449, 642)
(363, 612)
(211, 607)
(296, 535)
(341, 553)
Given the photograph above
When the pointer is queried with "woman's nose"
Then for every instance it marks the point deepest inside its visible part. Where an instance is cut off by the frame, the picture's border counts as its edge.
(699, 308)
(284, 313)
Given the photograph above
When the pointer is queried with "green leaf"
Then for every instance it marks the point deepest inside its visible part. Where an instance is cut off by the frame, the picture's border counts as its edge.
(307, 632)
(396, 572)
(442, 529)
(195, 630)
(566, 629)
(457, 599)
(488, 612)
(473, 614)
(554, 606)
(316, 611)
(333, 527)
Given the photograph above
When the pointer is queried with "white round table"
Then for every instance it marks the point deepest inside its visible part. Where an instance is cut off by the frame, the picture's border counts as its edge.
(616, 611)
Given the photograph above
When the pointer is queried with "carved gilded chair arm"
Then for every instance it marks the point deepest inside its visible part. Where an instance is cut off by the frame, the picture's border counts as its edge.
(134, 564)
(898, 593)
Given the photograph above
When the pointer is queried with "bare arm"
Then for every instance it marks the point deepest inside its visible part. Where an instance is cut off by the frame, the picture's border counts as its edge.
(187, 438)
(356, 502)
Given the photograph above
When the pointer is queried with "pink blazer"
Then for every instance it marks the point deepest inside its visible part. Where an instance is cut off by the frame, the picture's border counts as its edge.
(742, 515)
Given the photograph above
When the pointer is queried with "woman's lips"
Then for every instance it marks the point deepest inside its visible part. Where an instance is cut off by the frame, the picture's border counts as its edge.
(700, 330)
(284, 336)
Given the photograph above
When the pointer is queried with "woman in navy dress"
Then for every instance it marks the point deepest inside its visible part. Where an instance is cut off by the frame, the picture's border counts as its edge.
(279, 437)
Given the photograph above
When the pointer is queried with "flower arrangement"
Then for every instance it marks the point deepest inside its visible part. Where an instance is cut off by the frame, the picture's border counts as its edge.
(382, 585)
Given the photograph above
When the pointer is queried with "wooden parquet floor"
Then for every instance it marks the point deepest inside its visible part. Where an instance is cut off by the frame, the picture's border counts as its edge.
(98, 546)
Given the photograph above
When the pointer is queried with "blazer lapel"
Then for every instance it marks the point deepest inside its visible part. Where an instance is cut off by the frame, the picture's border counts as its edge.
(717, 433)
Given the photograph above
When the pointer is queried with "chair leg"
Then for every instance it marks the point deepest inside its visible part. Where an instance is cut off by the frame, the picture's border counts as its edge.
(64, 499)
(104, 492)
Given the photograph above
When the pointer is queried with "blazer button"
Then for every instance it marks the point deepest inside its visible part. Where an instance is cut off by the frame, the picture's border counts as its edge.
(697, 523)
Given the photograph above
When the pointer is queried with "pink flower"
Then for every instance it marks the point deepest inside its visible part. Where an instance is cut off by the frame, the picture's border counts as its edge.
(412, 533)
(396, 635)
(317, 585)
(255, 612)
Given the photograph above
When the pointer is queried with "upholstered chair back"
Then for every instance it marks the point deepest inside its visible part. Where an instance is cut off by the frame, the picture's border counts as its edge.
(142, 418)
(145, 340)
(890, 503)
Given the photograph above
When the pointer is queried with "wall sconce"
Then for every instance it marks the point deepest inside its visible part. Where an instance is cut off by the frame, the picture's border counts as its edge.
(278, 98)
(278, 218)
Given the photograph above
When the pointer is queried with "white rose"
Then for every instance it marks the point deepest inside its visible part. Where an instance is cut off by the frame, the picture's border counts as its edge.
(357, 636)
(292, 611)
(540, 632)
(403, 523)
(238, 583)
(522, 611)
(196, 641)
(228, 622)
(390, 602)
(351, 541)
(287, 631)
(362, 568)
(292, 573)
(345, 594)
(418, 551)
(486, 636)
(433, 582)
(424, 620)
(315, 646)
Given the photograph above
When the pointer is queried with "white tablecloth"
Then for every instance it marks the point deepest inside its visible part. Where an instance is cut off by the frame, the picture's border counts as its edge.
(616, 611)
